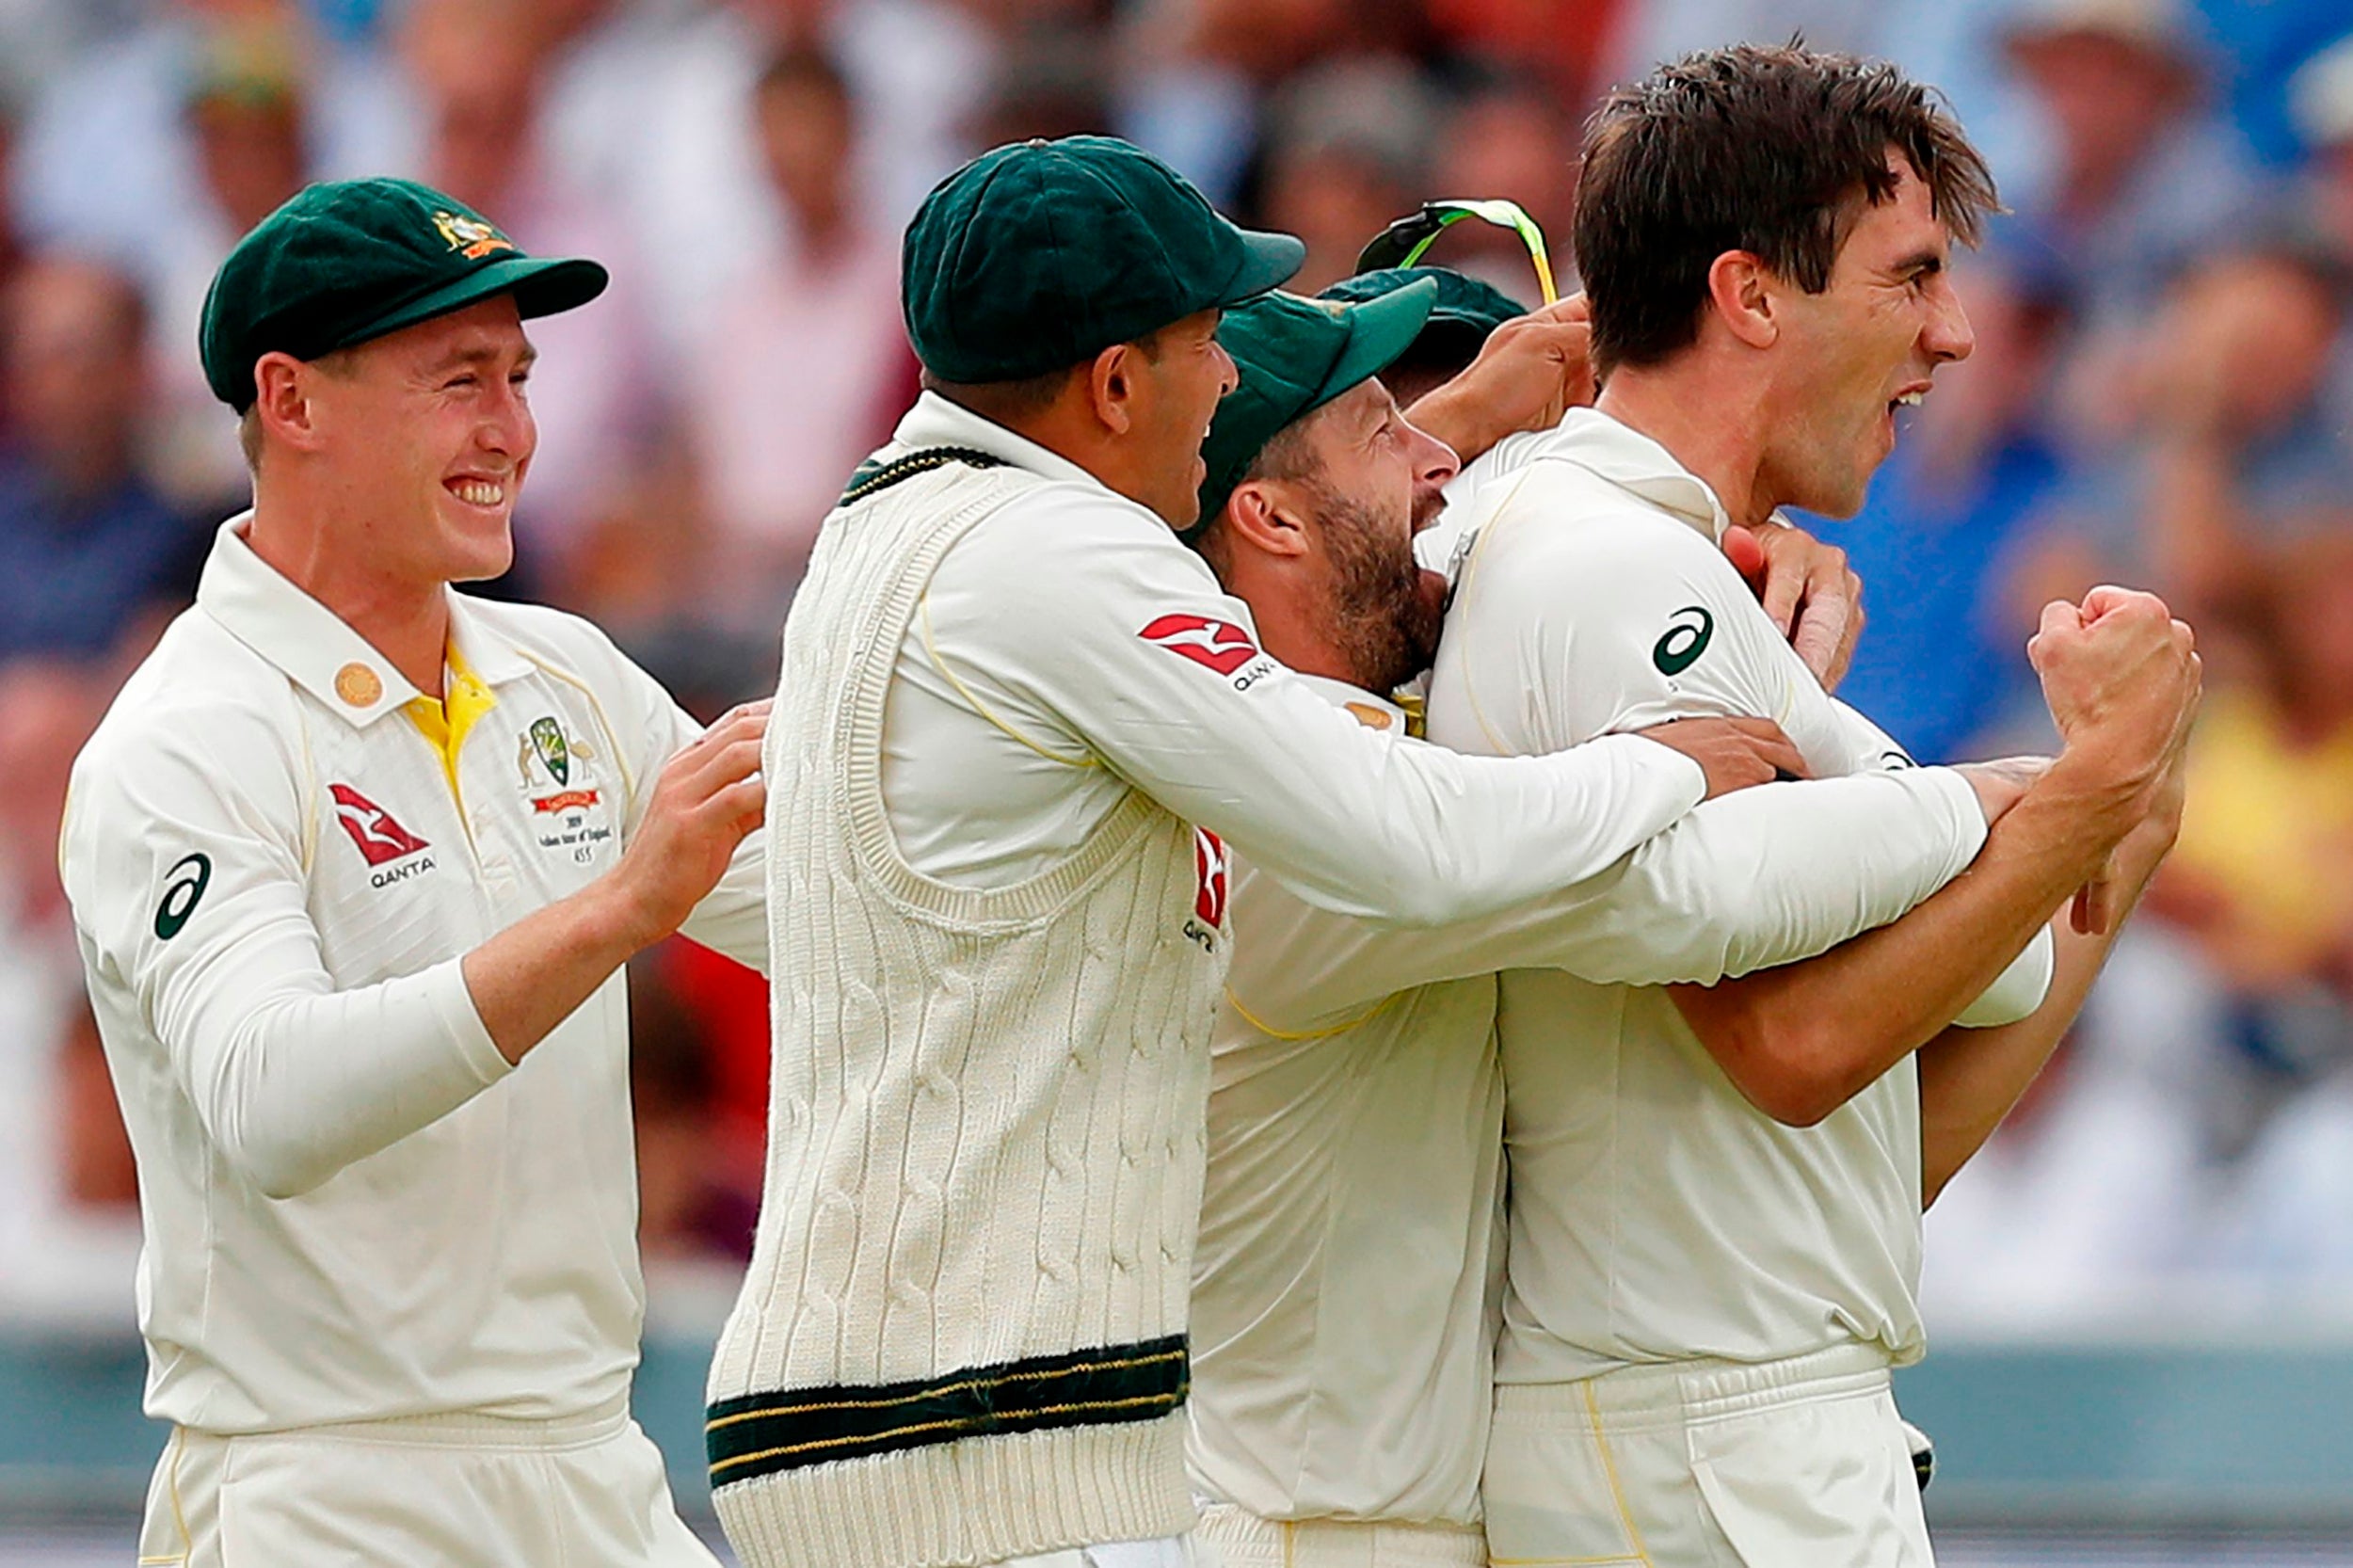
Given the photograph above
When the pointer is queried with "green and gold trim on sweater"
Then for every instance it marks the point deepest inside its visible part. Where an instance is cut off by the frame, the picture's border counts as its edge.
(758, 1434)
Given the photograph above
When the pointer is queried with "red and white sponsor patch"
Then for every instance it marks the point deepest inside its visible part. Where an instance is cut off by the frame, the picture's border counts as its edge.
(371, 827)
(1209, 861)
(1219, 645)
(570, 800)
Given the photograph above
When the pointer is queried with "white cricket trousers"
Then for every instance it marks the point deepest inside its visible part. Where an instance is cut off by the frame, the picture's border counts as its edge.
(1245, 1541)
(1797, 1464)
(583, 1492)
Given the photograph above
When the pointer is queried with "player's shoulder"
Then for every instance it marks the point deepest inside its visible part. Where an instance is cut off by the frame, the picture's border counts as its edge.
(1064, 542)
(202, 706)
(199, 685)
(1565, 535)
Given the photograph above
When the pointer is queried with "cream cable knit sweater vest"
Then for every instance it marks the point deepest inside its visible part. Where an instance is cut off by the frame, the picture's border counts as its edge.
(962, 1335)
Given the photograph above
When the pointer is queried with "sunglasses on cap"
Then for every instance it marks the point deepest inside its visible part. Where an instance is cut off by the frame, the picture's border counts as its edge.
(1404, 242)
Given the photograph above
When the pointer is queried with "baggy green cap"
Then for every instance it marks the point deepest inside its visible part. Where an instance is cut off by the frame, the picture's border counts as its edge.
(347, 262)
(1039, 255)
(1294, 356)
(1467, 314)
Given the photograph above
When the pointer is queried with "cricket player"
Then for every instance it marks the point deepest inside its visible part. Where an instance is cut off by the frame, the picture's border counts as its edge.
(1716, 1194)
(354, 862)
(1349, 1265)
(1017, 724)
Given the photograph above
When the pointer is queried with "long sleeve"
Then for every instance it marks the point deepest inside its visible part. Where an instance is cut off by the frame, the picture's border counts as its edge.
(1618, 621)
(1086, 631)
(184, 859)
(1751, 880)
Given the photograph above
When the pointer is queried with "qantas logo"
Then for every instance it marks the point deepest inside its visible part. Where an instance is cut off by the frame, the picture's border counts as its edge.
(372, 828)
(1219, 645)
(1210, 863)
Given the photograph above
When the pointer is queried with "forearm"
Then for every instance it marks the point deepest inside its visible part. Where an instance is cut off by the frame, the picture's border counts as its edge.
(532, 976)
(1971, 1078)
(1458, 416)
(1803, 1040)
(302, 1084)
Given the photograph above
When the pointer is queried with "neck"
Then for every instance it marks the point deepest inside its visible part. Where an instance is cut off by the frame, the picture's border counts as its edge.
(1290, 629)
(1711, 421)
(407, 622)
(1068, 429)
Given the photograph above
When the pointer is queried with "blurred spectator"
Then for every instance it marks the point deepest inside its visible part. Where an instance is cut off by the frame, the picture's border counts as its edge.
(2231, 443)
(109, 161)
(480, 68)
(87, 548)
(2264, 874)
(804, 369)
(246, 118)
(69, 1240)
(1508, 138)
(659, 121)
(1348, 151)
(2323, 100)
(1943, 660)
(1048, 84)
(2143, 172)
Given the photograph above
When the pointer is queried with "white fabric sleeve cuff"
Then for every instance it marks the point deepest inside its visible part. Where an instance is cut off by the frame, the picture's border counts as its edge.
(443, 989)
(1964, 816)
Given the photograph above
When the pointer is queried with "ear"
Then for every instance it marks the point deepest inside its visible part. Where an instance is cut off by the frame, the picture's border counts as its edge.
(1259, 517)
(1741, 289)
(1111, 387)
(284, 386)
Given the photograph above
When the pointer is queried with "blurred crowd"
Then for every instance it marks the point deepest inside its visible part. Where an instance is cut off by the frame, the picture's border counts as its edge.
(2162, 394)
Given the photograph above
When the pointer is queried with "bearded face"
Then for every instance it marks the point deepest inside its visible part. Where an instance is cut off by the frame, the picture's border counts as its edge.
(1385, 610)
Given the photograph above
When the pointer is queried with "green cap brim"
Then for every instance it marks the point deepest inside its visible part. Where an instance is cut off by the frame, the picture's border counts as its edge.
(1380, 330)
(1269, 261)
(542, 286)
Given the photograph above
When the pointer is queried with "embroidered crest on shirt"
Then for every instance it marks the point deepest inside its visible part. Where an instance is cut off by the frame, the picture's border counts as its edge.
(545, 756)
(380, 839)
(553, 765)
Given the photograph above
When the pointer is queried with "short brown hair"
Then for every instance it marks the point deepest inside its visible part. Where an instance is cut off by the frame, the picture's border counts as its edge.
(1771, 150)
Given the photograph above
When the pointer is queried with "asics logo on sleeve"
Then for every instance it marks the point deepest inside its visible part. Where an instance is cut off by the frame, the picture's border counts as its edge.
(372, 828)
(1217, 645)
(1684, 641)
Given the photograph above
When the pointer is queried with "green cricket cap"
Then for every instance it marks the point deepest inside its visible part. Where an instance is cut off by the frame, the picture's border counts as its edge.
(1467, 314)
(347, 262)
(1037, 256)
(1294, 356)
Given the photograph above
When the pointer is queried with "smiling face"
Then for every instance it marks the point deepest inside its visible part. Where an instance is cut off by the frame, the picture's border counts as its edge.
(1373, 481)
(1850, 355)
(428, 436)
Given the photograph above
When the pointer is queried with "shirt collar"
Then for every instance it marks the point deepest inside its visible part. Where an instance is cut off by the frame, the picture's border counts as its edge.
(936, 421)
(314, 648)
(1638, 465)
(1373, 712)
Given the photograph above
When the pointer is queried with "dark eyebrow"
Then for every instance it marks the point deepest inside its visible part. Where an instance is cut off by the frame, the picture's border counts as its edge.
(479, 356)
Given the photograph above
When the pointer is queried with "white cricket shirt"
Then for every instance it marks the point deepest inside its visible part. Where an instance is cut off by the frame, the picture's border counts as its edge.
(1656, 1214)
(354, 1206)
(1069, 650)
(1349, 1261)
